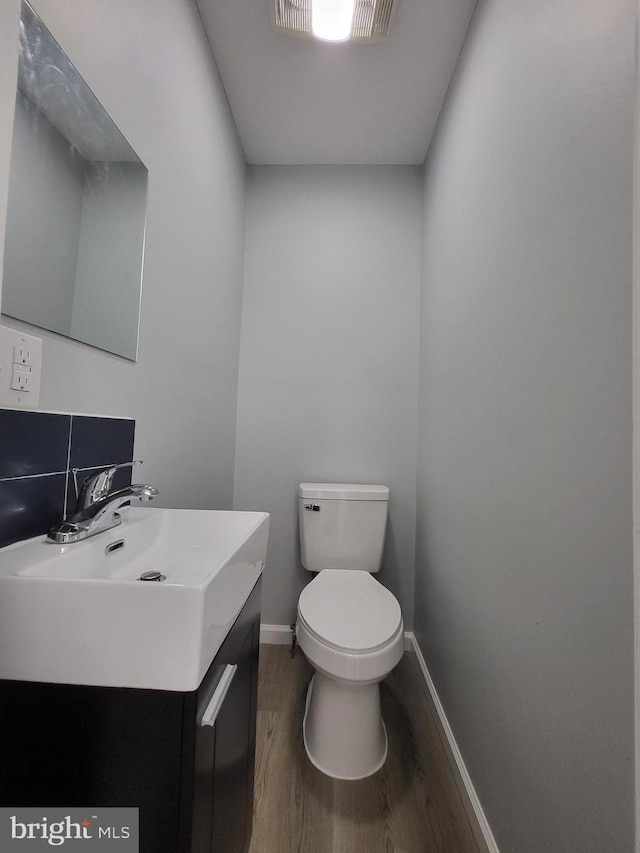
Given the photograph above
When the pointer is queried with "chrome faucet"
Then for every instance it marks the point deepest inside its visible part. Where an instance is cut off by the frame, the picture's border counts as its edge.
(98, 485)
(97, 507)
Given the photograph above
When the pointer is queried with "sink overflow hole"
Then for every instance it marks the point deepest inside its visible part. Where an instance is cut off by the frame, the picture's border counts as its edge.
(115, 546)
(152, 576)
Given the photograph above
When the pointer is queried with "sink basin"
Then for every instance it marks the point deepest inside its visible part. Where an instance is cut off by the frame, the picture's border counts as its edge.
(78, 614)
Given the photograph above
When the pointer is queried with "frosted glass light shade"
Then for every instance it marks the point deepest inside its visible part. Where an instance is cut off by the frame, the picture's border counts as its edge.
(332, 20)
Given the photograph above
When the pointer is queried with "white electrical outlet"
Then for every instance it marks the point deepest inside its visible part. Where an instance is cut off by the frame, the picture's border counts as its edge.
(22, 355)
(21, 378)
(20, 369)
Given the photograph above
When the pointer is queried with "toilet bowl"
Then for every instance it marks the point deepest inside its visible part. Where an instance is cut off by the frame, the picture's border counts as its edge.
(350, 629)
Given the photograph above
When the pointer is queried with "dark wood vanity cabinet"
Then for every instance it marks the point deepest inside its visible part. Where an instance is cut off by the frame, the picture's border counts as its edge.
(64, 745)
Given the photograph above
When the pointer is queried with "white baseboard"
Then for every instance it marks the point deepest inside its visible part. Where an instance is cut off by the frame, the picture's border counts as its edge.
(462, 769)
(275, 635)
(280, 635)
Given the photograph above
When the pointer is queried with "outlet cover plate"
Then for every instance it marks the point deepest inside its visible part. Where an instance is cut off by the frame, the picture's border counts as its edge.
(9, 397)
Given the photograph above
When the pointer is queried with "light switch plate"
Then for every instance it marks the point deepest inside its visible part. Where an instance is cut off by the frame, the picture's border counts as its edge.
(12, 341)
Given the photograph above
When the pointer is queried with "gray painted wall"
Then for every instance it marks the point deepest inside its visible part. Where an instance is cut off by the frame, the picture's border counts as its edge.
(328, 368)
(524, 598)
(150, 65)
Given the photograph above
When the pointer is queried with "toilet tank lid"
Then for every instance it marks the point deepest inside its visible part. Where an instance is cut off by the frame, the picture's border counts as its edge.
(343, 492)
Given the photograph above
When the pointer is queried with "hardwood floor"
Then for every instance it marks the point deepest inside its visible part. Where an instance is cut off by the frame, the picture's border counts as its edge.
(412, 805)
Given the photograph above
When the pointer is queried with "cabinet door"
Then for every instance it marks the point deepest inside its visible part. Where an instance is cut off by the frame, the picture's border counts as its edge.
(64, 745)
(224, 751)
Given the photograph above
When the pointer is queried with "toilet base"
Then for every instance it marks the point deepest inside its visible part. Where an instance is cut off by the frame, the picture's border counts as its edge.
(344, 734)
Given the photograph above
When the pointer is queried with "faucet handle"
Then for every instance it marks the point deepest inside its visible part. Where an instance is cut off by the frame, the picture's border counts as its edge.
(98, 485)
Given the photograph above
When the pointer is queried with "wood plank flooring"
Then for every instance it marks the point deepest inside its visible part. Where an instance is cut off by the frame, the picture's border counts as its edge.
(412, 805)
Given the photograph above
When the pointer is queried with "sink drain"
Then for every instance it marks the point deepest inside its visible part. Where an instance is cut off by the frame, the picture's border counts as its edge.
(152, 576)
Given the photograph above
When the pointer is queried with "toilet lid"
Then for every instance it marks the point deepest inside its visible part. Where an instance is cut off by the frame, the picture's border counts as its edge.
(349, 610)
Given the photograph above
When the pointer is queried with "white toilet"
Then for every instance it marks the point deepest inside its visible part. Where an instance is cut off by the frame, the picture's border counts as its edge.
(349, 626)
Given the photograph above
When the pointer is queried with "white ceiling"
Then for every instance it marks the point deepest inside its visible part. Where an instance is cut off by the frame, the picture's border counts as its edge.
(301, 101)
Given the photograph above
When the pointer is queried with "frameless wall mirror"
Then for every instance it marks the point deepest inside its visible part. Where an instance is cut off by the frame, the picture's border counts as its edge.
(74, 240)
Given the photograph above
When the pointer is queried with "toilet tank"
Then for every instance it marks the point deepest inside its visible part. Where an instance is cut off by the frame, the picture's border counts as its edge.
(342, 525)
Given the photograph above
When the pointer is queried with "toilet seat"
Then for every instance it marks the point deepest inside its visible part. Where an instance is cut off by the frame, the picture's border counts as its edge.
(349, 611)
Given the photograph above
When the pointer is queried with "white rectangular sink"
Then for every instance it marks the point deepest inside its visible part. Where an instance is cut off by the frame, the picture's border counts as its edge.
(78, 613)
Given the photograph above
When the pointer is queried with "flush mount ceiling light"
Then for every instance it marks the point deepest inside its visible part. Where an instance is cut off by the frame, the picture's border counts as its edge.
(335, 20)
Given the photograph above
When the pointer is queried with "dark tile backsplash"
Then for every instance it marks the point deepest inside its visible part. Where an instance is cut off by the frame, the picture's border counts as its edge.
(29, 506)
(101, 442)
(38, 451)
(33, 443)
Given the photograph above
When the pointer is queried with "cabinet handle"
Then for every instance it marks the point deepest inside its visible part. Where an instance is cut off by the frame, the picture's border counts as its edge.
(219, 694)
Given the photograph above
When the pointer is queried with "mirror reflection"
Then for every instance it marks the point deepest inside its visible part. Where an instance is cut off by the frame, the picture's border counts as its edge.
(76, 208)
